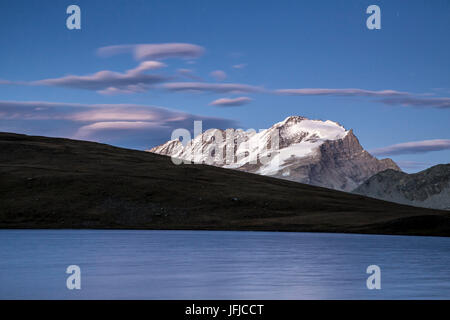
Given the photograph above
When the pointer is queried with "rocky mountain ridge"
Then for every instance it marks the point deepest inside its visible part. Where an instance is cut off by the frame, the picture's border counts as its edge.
(321, 153)
(429, 188)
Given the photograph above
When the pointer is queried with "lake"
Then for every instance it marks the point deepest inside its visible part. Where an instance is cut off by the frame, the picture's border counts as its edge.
(126, 264)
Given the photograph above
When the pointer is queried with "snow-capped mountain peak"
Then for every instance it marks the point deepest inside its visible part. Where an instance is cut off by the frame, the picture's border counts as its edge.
(295, 149)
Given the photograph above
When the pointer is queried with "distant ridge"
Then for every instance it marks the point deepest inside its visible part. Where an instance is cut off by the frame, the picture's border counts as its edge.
(429, 188)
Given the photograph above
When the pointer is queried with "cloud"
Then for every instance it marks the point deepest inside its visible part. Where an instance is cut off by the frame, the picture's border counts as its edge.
(109, 82)
(87, 131)
(155, 51)
(36, 110)
(104, 113)
(390, 97)
(106, 82)
(147, 65)
(103, 81)
(229, 102)
(135, 88)
(146, 134)
(240, 66)
(413, 147)
(440, 103)
(135, 126)
(188, 73)
(412, 165)
(340, 92)
(211, 87)
(219, 75)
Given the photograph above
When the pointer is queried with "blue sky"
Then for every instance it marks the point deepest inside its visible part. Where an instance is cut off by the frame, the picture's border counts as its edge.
(257, 48)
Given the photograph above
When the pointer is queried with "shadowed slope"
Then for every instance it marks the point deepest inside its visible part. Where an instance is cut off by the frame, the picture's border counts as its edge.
(61, 183)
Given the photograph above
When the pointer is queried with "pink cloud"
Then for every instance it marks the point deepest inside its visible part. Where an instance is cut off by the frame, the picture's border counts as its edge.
(113, 113)
(109, 82)
(228, 102)
(147, 65)
(138, 126)
(219, 75)
(89, 130)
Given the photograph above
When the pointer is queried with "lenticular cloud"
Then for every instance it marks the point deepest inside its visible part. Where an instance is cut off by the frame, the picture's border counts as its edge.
(155, 51)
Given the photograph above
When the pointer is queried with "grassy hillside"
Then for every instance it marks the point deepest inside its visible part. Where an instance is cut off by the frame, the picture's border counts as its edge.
(61, 183)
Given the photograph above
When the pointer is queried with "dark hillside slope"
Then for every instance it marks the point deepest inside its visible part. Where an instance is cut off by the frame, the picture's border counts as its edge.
(61, 183)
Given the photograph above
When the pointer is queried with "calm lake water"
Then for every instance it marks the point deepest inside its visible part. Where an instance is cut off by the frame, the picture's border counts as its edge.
(220, 265)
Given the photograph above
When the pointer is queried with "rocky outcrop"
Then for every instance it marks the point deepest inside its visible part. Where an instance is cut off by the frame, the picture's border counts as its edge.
(429, 188)
(340, 164)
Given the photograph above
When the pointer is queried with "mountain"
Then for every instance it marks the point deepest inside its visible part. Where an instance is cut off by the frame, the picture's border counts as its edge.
(320, 153)
(62, 183)
(429, 188)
